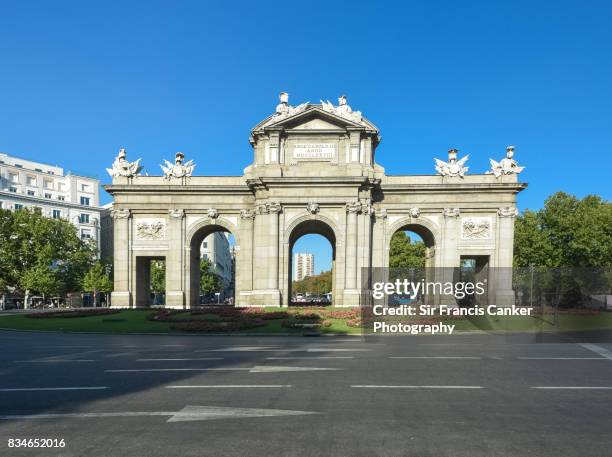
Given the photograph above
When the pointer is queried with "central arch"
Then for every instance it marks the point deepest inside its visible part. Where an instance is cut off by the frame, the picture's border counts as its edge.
(306, 226)
(196, 236)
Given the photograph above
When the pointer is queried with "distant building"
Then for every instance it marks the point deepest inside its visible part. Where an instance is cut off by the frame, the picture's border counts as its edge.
(217, 250)
(303, 265)
(28, 184)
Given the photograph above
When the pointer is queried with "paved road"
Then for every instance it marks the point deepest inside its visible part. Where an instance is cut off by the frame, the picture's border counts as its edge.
(465, 395)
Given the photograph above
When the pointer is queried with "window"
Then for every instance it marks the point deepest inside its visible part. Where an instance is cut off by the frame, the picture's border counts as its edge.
(85, 188)
(61, 186)
(31, 193)
(85, 234)
(18, 206)
(13, 189)
(31, 181)
(18, 165)
(47, 195)
(13, 177)
(38, 169)
(84, 218)
(56, 214)
(61, 198)
(85, 201)
(48, 184)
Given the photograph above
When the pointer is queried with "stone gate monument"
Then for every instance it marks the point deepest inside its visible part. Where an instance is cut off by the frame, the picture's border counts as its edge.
(313, 171)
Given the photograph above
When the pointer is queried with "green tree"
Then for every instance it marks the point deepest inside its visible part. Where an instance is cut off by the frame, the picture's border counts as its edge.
(41, 279)
(30, 241)
(567, 231)
(404, 253)
(314, 285)
(209, 281)
(158, 276)
(97, 280)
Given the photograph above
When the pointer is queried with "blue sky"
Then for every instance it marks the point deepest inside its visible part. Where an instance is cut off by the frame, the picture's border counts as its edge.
(79, 80)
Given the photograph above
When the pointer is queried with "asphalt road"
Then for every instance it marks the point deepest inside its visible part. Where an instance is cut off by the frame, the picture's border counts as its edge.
(464, 395)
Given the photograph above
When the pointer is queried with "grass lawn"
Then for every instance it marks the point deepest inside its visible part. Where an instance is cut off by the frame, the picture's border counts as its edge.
(135, 321)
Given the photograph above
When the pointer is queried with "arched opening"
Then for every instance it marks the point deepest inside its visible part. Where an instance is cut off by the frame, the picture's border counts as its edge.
(312, 258)
(212, 261)
(411, 256)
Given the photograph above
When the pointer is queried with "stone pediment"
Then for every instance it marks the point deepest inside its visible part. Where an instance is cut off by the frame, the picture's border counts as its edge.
(313, 117)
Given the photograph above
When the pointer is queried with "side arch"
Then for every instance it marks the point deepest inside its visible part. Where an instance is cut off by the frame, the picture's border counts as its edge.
(194, 237)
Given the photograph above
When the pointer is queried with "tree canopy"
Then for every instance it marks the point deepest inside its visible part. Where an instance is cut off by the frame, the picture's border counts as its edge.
(567, 231)
(41, 254)
(314, 285)
(405, 253)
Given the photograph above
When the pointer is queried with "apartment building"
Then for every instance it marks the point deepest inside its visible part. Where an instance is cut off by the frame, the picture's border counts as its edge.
(29, 184)
(303, 265)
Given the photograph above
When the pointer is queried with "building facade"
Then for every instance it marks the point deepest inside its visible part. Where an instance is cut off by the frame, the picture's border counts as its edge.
(216, 248)
(313, 171)
(59, 195)
(303, 265)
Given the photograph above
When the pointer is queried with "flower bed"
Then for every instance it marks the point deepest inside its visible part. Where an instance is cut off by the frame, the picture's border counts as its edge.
(73, 313)
(218, 327)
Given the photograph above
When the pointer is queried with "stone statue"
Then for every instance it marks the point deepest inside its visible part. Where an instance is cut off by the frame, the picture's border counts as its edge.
(506, 166)
(284, 109)
(453, 167)
(121, 167)
(178, 170)
(343, 109)
(213, 213)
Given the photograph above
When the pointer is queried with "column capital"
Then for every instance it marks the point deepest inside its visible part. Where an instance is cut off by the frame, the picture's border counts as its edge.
(274, 207)
(507, 211)
(353, 207)
(122, 213)
(176, 213)
(451, 212)
(247, 213)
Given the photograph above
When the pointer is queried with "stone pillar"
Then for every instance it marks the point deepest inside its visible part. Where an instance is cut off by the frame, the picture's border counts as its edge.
(351, 292)
(175, 260)
(122, 259)
(244, 259)
(273, 211)
(504, 294)
(449, 255)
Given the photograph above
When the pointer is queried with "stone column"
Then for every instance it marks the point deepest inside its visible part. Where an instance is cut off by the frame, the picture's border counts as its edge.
(504, 294)
(273, 211)
(175, 261)
(244, 259)
(351, 293)
(122, 259)
(449, 255)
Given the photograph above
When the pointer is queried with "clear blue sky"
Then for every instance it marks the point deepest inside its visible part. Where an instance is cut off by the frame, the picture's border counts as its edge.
(79, 80)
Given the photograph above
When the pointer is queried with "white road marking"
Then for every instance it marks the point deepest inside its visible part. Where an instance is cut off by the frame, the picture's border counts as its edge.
(435, 357)
(255, 369)
(273, 369)
(598, 350)
(310, 358)
(572, 387)
(32, 389)
(242, 349)
(135, 370)
(333, 350)
(62, 347)
(416, 387)
(173, 360)
(188, 413)
(54, 361)
(232, 386)
(562, 358)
